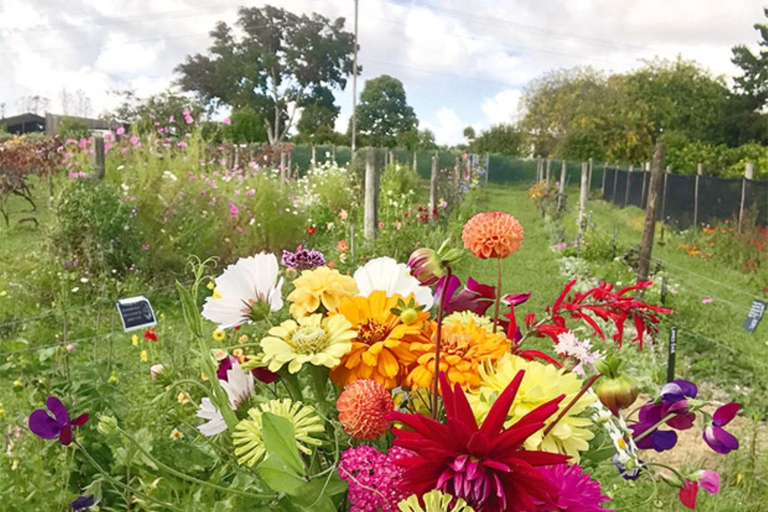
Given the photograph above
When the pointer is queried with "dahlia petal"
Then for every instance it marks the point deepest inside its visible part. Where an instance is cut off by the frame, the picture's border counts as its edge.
(496, 417)
(724, 414)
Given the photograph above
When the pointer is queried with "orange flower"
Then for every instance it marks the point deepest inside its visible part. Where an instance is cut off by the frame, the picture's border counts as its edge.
(363, 408)
(492, 235)
(381, 350)
(464, 347)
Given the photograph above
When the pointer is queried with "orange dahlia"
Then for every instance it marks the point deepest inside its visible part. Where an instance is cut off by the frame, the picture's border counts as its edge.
(464, 347)
(363, 408)
(492, 235)
(381, 350)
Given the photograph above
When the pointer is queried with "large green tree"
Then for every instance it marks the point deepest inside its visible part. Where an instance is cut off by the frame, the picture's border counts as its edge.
(503, 139)
(274, 63)
(318, 117)
(165, 108)
(384, 114)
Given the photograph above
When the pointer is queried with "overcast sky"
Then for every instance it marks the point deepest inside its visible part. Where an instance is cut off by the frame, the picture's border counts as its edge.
(463, 62)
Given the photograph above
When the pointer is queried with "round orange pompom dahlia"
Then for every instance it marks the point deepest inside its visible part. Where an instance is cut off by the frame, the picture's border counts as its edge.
(492, 235)
(363, 408)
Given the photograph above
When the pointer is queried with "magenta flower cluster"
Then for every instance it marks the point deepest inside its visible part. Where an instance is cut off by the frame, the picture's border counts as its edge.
(373, 478)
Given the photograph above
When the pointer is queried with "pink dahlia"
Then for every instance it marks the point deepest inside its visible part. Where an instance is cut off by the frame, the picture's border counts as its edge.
(373, 478)
(576, 491)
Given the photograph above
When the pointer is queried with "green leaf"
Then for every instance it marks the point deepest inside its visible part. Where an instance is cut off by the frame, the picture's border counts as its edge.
(279, 477)
(317, 493)
(280, 441)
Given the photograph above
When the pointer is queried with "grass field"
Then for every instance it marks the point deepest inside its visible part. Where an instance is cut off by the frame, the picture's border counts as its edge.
(714, 350)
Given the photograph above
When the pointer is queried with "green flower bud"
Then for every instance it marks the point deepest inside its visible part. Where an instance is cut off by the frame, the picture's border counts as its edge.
(107, 425)
(409, 316)
(425, 266)
(617, 393)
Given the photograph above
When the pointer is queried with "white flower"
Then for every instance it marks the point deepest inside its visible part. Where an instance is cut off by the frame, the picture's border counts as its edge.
(239, 389)
(393, 278)
(568, 345)
(242, 287)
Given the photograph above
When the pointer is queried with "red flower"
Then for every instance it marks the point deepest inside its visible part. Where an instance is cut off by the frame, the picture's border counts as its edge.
(150, 334)
(484, 465)
(310, 230)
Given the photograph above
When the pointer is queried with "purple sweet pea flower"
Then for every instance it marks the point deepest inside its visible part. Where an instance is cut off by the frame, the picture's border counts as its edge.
(475, 297)
(515, 299)
(261, 374)
(716, 436)
(47, 427)
(83, 502)
(676, 390)
(674, 400)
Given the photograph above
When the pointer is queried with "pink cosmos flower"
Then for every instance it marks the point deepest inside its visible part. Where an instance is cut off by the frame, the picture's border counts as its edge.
(120, 130)
(227, 120)
(170, 119)
(707, 300)
(233, 210)
(182, 144)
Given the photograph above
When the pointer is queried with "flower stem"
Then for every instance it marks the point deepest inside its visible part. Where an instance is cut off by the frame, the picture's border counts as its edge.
(498, 296)
(438, 335)
(319, 381)
(120, 484)
(573, 401)
(655, 427)
(291, 382)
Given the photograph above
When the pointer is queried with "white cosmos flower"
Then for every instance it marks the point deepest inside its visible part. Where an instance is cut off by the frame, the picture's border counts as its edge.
(392, 277)
(239, 388)
(242, 286)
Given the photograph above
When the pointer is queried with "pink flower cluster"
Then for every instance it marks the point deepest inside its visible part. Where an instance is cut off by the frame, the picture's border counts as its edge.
(373, 478)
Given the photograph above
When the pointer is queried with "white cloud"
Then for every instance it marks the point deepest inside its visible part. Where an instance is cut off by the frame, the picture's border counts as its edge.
(502, 108)
(448, 128)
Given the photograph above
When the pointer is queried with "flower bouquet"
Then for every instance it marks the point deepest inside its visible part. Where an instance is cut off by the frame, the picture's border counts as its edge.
(397, 388)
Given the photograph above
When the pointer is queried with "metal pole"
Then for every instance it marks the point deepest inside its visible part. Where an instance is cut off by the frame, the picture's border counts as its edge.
(354, 86)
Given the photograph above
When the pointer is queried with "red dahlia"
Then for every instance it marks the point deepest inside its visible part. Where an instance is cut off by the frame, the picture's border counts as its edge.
(485, 465)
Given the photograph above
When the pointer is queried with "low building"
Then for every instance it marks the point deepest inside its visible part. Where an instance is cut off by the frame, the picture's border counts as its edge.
(31, 123)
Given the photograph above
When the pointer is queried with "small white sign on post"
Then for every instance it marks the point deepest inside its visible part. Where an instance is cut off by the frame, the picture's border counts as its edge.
(136, 313)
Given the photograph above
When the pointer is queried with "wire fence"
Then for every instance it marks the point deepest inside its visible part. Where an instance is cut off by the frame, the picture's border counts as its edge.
(690, 200)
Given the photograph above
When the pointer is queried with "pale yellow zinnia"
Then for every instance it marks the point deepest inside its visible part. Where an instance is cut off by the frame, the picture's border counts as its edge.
(542, 383)
(312, 339)
(320, 287)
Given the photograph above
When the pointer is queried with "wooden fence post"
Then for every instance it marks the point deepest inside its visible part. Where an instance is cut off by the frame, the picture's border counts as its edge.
(584, 194)
(699, 172)
(433, 185)
(290, 164)
(749, 174)
(646, 244)
(99, 158)
(415, 161)
(469, 169)
(371, 211)
(626, 188)
(602, 186)
(283, 163)
(236, 160)
(615, 183)
(391, 157)
(548, 174)
(487, 167)
(664, 194)
(591, 164)
(561, 192)
(539, 169)
(314, 154)
(646, 173)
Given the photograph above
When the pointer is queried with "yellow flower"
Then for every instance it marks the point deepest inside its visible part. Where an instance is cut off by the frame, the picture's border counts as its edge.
(463, 350)
(381, 351)
(18, 384)
(211, 285)
(243, 338)
(249, 445)
(134, 340)
(238, 353)
(218, 335)
(464, 317)
(203, 377)
(3, 293)
(542, 383)
(216, 294)
(182, 398)
(143, 356)
(15, 465)
(321, 286)
(176, 434)
(313, 340)
(434, 501)
(113, 378)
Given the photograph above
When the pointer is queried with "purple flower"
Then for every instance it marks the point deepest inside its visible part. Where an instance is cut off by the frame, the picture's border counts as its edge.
(716, 436)
(83, 502)
(58, 425)
(262, 374)
(303, 259)
(674, 401)
(475, 297)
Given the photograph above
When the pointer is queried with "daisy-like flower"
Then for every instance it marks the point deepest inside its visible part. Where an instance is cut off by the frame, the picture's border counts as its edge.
(492, 235)
(249, 444)
(483, 465)
(434, 501)
(312, 339)
(363, 408)
(320, 287)
(579, 352)
(239, 387)
(464, 348)
(465, 317)
(381, 351)
(248, 291)
(576, 491)
(542, 383)
(394, 278)
(373, 478)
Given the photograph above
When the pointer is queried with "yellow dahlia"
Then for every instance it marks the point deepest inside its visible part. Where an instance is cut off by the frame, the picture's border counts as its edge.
(381, 351)
(542, 383)
(463, 350)
(321, 286)
(249, 444)
(312, 339)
